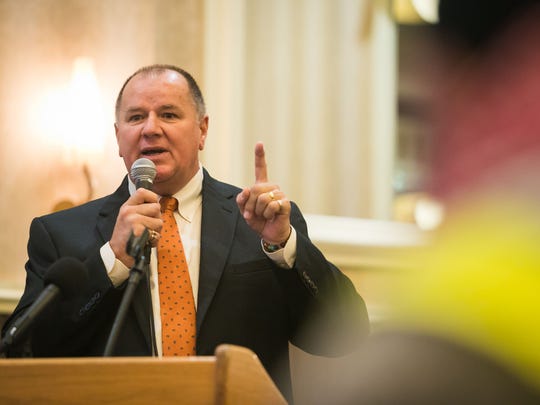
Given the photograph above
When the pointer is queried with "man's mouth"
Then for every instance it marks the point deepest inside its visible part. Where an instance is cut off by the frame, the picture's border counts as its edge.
(152, 151)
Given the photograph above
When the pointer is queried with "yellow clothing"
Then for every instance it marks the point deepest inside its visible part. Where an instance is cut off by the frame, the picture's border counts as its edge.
(478, 284)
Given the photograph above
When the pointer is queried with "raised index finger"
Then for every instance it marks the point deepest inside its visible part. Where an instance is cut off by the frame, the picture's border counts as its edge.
(261, 175)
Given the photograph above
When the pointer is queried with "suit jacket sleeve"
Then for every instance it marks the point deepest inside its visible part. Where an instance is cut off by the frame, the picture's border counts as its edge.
(328, 316)
(66, 328)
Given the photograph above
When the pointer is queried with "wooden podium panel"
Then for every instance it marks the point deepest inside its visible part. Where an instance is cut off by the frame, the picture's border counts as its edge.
(241, 378)
(235, 376)
(119, 380)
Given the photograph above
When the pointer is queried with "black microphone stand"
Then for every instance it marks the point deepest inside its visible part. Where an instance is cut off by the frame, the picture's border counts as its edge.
(138, 248)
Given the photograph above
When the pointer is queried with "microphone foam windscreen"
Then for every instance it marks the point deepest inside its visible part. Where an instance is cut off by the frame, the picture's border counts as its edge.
(68, 274)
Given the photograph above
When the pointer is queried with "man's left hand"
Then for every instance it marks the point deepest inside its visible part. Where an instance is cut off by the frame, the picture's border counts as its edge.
(264, 206)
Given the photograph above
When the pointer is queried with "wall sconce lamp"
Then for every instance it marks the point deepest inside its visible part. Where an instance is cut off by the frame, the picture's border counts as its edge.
(73, 122)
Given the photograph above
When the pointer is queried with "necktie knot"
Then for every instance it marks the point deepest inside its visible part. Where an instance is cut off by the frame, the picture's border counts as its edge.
(168, 204)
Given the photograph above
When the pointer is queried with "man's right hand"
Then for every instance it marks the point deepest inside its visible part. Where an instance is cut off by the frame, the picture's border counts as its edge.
(141, 210)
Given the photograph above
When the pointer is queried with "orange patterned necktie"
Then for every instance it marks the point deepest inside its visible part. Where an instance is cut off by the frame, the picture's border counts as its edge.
(175, 292)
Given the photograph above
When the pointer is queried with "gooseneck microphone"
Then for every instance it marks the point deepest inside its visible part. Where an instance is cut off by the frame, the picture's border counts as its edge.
(62, 281)
(143, 172)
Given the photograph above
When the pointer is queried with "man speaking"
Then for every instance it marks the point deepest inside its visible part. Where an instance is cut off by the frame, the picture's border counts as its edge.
(228, 265)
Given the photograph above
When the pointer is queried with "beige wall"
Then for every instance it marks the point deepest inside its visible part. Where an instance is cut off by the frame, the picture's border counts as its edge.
(39, 41)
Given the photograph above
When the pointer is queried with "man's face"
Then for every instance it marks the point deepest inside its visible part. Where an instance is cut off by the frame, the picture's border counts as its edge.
(157, 120)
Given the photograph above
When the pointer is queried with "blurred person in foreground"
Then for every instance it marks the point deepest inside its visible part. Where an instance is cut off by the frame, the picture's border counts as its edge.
(463, 326)
(258, 281)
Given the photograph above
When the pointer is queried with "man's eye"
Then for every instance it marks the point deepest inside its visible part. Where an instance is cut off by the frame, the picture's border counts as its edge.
(135, 118)
(169, 116)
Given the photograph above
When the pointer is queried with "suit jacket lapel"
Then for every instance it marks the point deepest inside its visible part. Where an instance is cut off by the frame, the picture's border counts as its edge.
(219, 216)
(109, 211)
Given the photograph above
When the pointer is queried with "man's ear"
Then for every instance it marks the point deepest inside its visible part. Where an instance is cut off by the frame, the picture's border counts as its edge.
(116, 134)
(203, 127)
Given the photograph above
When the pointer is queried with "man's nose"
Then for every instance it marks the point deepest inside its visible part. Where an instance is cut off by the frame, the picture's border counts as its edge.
(151, 126)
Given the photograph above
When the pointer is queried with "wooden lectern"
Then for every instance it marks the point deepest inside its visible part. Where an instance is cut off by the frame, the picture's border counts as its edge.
(233, 376)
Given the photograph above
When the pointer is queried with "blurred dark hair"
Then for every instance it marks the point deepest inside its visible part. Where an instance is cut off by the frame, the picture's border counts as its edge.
(474, 23)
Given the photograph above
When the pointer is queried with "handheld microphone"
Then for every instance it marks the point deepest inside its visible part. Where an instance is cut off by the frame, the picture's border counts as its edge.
(143, 172)
(62, 280)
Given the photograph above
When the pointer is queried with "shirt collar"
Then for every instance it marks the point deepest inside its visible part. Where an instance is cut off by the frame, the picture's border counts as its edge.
(189, 197)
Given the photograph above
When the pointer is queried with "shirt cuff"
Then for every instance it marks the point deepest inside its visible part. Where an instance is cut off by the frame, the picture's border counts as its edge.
(285, 257)
(116, 270)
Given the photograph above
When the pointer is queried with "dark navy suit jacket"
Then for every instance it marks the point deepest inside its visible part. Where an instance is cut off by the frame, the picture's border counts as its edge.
(243, 298)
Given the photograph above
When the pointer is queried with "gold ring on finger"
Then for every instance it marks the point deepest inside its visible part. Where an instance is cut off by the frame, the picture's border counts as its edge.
(154, 236)
(271, 195)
